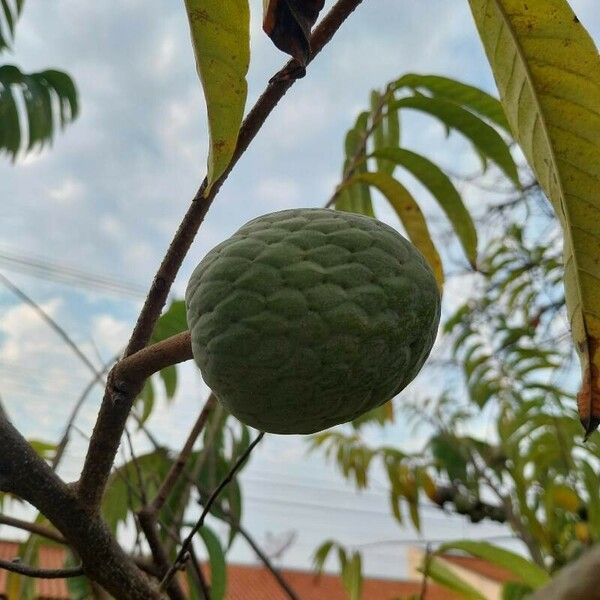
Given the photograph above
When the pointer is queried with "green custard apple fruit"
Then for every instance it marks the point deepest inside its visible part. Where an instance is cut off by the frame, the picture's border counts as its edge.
(307, 318)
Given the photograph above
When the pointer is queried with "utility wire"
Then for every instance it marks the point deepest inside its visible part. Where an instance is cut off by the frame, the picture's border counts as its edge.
(425, 542)
(61, 273)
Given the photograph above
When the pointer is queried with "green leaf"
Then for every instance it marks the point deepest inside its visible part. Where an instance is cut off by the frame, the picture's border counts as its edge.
(592, 483)
(466, 95)
(395, 504)
(352, 576)
(10, 11)
(119, 500)
(45, 449)
(171, 322)
(147, 399)
(7, 26)
(415, 517)
(382, 414)
(516, 591)
(68, 101)
(410, 216)
(218, 568)
(524, 570)
(234, 502)
(220, 32)
(42, 94)
(356, 198)
(440, 573)
(10, 129)
(321, 554)
(169, 378)
(39, 112)
(457, 318)
(381, 139)
(483, 136)
(449, 455)
(442, 189)
(393, 126)
(547, 69)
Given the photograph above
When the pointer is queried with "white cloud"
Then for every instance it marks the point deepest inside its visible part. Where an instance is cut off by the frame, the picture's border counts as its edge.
(41, 376)
(301, 118)
(277, 193)
(69, 192)
(165, 54)
(109, 333)
(137, 154)
(25, 335)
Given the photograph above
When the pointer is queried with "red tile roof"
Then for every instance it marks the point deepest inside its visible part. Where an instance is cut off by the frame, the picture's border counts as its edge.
(245, 582)
(248, 582)
(50, 557)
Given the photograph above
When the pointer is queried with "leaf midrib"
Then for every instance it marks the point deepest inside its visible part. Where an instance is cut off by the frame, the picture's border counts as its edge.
(559, 182)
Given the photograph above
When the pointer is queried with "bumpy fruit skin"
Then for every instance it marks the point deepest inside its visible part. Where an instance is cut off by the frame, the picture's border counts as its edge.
(308, 318)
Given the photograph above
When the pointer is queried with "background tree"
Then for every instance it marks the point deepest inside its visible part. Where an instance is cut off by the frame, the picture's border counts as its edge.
(519, 477)
(33, 106)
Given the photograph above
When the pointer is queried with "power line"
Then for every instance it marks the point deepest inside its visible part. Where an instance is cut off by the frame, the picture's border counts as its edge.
(422, 541)
(61, 273)
(380, 492)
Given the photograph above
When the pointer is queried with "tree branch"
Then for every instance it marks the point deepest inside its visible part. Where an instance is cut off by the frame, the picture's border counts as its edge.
(64, 440)
(512, 517)
(117, 401)
(181, 556)
(579, 580)
(227, 516)
(177, 468)
(151, 359)
(16, 566)
(196, 570)
(148, 525)
(24, 474)
(36, 528)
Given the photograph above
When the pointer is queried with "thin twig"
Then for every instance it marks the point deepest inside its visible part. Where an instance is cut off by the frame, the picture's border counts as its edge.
(229, 517)
(36, 528)
(194, 473)
(181, 556)
(64, 440)
(426, 566)
(117, 403)
(178, 466)
(196, 569)
(361, 149)
(18, 567)
(50, 321)
(136, 466)
(148, 525)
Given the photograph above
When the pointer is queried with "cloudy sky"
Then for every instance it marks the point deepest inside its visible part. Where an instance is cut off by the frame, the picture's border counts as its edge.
(106, 199)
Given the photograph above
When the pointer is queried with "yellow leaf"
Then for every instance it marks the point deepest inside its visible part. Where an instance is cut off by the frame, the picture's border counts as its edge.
(547, 69)
(429, 486)
(566, 498)
(221, 38)
(582, 532)
(410, 216)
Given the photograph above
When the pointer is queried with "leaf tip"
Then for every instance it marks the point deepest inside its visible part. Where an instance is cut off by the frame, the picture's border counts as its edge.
(588, 398)
(589, 425)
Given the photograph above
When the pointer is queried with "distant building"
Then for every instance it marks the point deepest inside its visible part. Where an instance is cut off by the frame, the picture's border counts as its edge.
(254, 582)
(485, 577)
